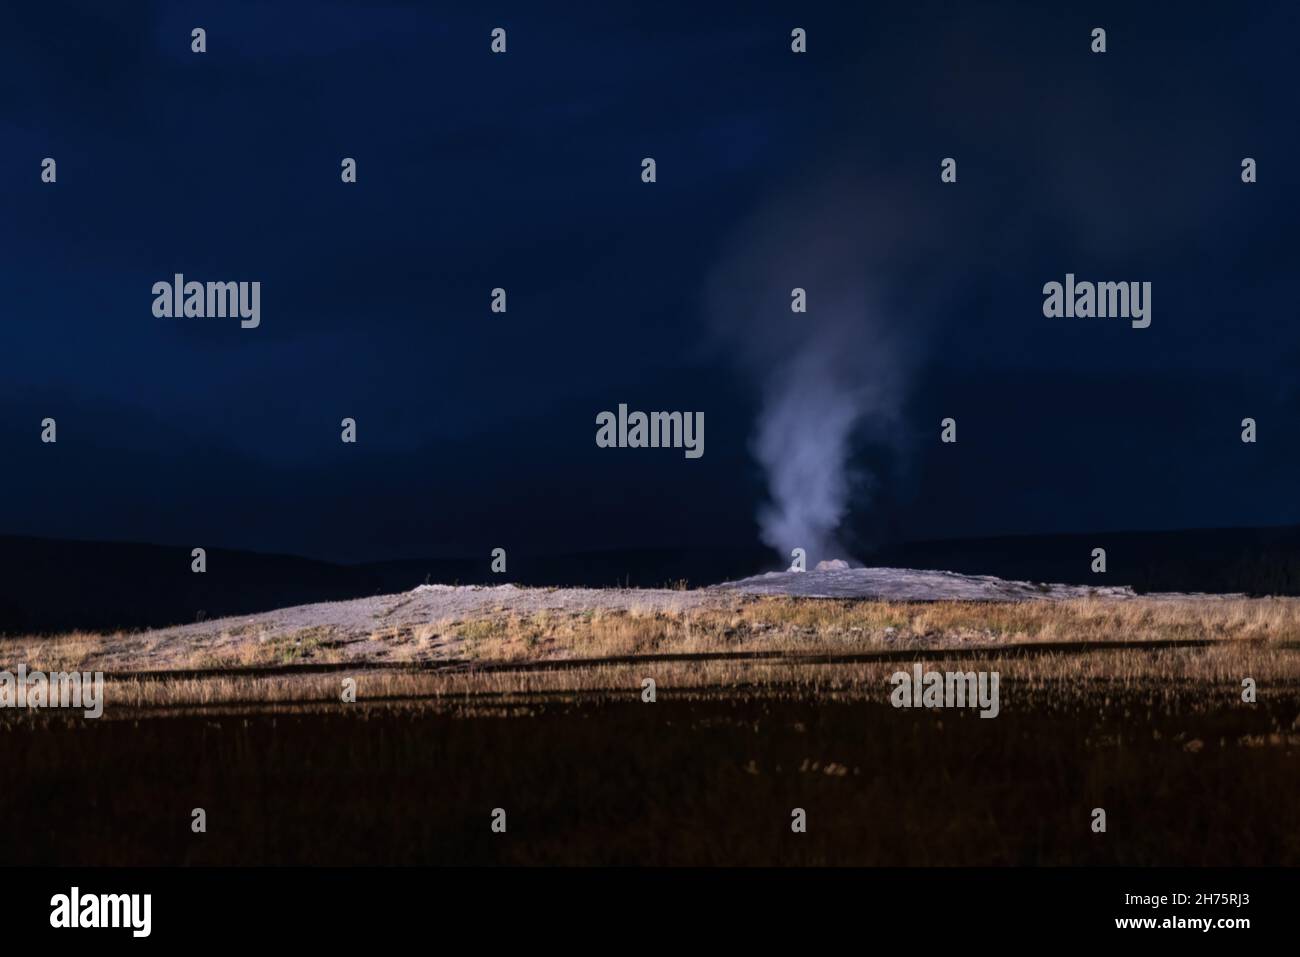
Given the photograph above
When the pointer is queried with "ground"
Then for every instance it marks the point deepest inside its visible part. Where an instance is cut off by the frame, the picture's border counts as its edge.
(533, 701)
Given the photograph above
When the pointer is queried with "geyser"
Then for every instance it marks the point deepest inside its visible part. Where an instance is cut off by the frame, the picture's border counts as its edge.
(826, 375)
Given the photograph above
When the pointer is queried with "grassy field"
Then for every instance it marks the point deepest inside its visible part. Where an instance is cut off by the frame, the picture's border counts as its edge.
(762, 706)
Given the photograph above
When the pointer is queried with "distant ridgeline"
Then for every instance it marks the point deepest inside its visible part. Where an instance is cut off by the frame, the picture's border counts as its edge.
(1257, 561)
(49, 586)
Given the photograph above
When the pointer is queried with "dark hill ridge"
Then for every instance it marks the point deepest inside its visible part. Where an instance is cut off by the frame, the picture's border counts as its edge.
(56, 585)
(1254, 561)
(51, 585)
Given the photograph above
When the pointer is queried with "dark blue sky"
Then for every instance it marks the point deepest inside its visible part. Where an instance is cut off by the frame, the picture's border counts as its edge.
(522, 171)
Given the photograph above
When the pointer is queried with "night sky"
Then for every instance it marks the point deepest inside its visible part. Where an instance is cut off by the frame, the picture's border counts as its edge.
(522, 170)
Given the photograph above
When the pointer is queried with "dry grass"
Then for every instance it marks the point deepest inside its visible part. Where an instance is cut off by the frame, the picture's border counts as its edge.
(827, 626)
(1055, 680)
(770, 624)
(506, 657)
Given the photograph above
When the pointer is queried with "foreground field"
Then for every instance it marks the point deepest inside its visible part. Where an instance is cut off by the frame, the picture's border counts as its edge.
(762, 705)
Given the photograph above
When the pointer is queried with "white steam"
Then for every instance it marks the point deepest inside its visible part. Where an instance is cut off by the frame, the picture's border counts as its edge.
(807, 421)
(827, 376)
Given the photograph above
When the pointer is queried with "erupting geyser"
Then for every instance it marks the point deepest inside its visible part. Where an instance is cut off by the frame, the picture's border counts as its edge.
(796, 304)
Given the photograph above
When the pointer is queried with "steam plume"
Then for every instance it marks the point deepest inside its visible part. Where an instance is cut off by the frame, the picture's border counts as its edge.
(825, 376)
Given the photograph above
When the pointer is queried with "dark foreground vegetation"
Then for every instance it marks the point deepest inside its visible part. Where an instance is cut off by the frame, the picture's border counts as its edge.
(698, 779)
